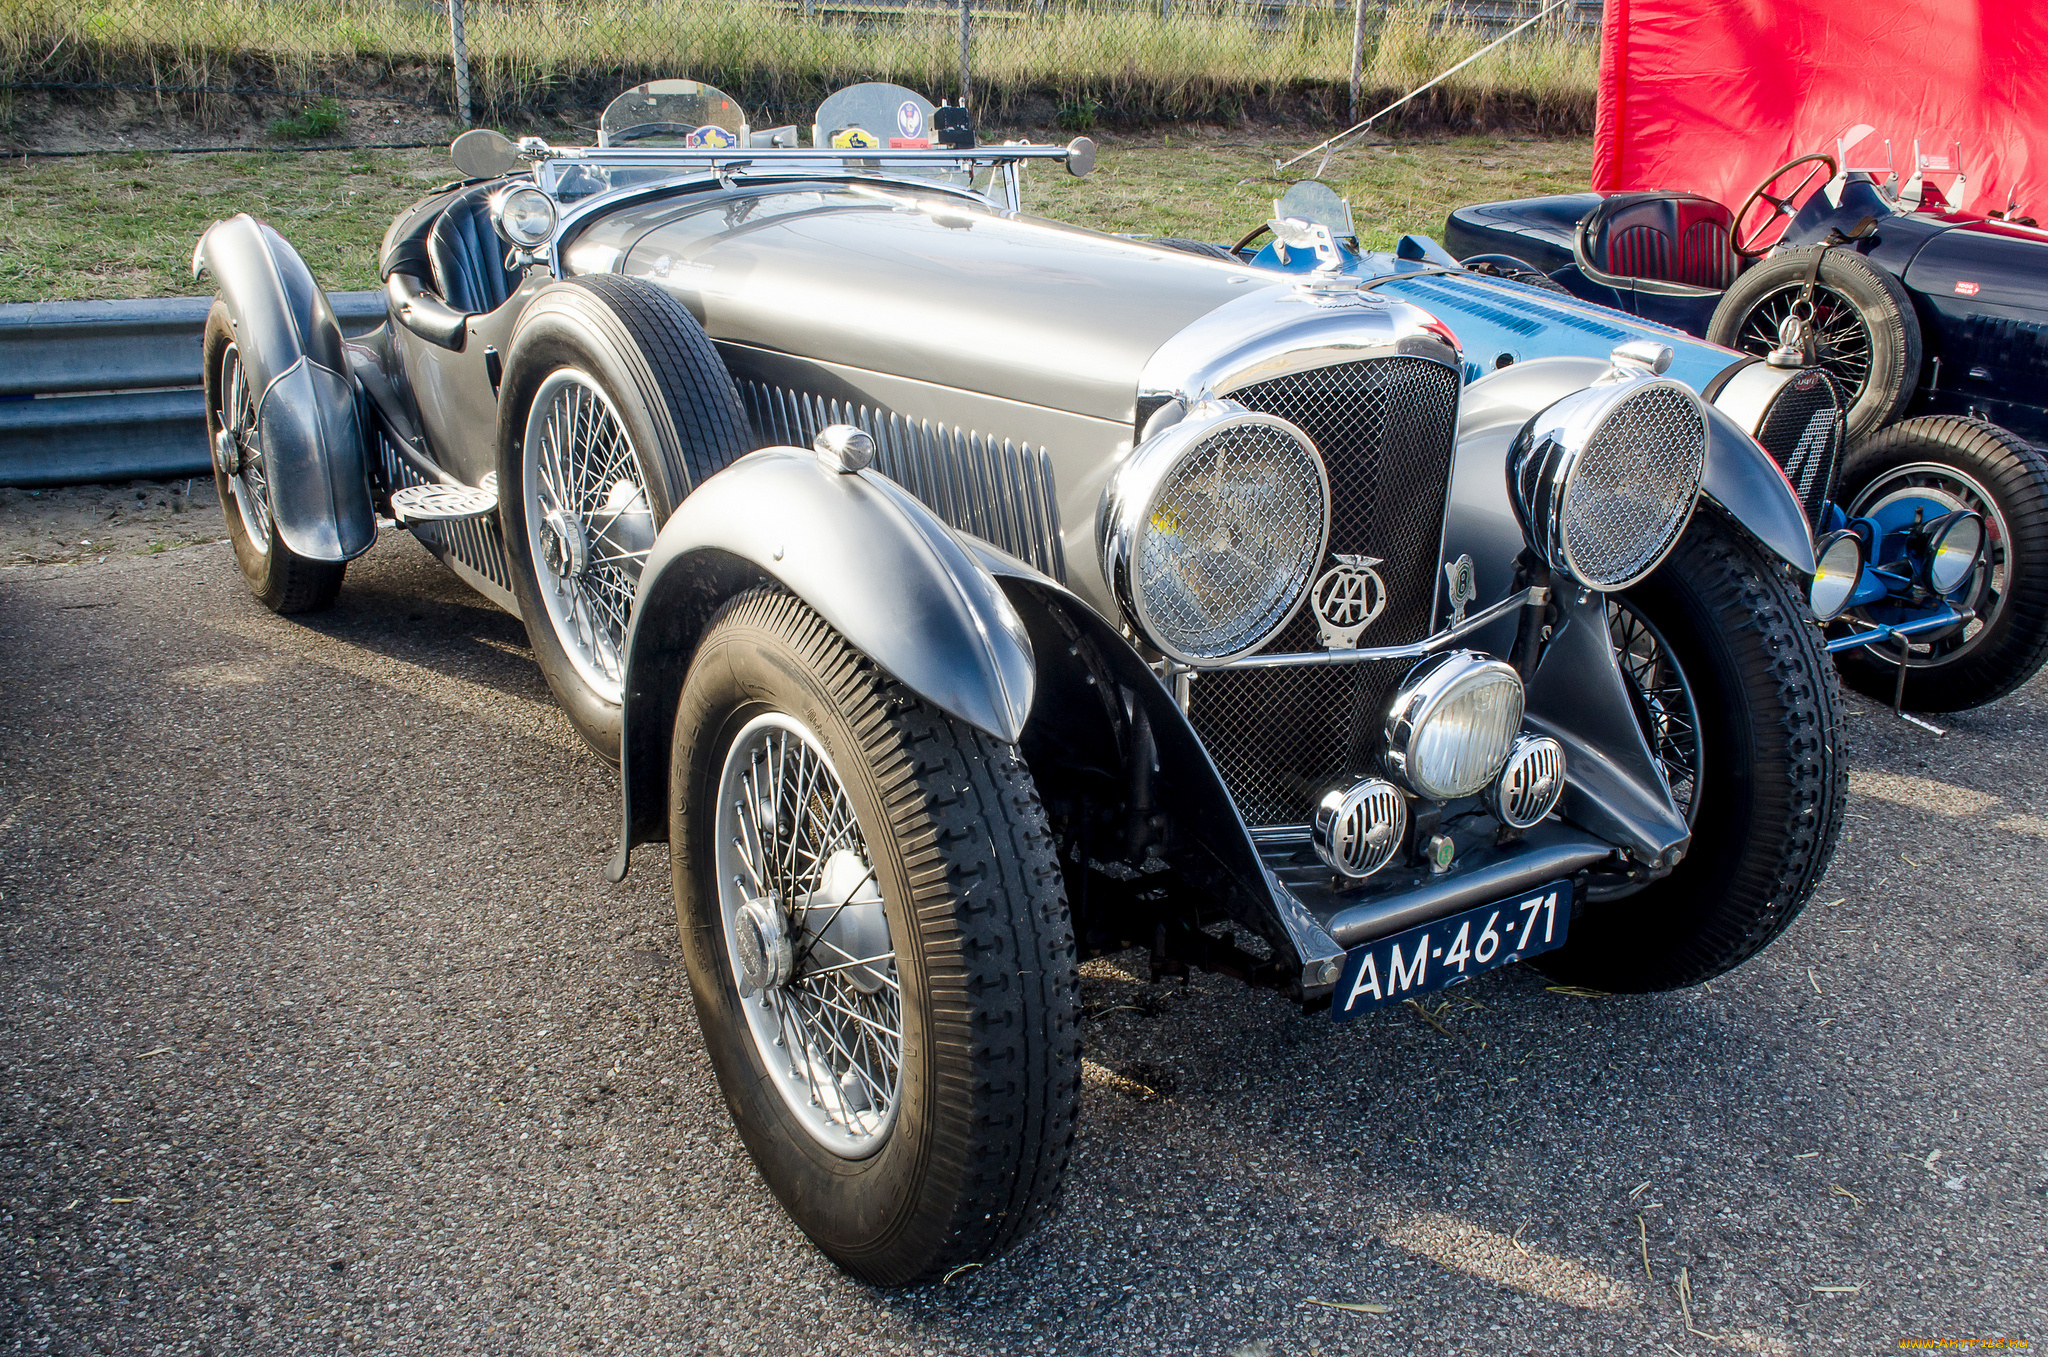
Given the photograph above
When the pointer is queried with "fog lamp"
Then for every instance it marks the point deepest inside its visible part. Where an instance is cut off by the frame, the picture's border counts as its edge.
(1838, 565)
(1452, 724)
(1530, 782)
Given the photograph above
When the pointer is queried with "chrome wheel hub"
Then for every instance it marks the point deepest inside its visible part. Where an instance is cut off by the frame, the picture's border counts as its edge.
(589, 523)
(807, 936)
(760, 943)
(564, 550)
(227, 454)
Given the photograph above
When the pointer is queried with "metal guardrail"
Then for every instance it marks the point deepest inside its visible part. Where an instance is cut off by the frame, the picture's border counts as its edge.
(110, 391)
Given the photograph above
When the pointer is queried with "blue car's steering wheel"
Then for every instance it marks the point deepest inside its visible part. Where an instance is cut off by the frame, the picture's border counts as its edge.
(1749, 246)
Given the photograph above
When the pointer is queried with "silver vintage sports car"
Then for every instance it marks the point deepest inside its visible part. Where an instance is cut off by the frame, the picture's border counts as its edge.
(962, 594)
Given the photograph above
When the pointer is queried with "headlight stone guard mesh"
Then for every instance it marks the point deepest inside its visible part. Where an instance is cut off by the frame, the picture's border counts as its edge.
(1634, 484)
(1230, 544)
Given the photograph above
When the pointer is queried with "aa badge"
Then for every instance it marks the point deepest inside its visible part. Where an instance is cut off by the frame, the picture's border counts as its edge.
(1348, 598)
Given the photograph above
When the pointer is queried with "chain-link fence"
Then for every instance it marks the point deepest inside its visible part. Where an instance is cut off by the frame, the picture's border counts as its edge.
(1067, 61)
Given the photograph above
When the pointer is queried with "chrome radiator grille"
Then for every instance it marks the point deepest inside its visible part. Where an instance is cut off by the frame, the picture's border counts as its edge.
(1803, 432)
(1386, 429)
(1001, 492)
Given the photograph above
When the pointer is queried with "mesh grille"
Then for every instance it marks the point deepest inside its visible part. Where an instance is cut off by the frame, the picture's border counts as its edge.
(1385, 429)
(1633, 483)
(1802, 430)
(1232, 540)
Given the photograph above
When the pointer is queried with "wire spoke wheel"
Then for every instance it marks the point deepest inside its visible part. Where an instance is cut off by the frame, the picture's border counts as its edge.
(807, 936)
(1841, 335)
(1983, 594)
(238, 426)
(589, 523)
(1663, 701)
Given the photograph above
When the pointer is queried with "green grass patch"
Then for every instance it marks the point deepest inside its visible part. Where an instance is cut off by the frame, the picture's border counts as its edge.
(124, 225)
(324, 118)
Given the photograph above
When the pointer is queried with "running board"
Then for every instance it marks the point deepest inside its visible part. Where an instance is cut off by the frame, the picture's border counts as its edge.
(445, 503)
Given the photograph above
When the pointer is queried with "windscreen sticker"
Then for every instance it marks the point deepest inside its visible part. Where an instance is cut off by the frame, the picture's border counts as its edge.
(1968, 289)
(910, 119)
(856, 139)
(910, 143)
(713, 136)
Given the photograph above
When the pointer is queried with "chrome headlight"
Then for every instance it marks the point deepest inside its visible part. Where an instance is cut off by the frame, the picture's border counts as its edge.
(1213, 529)
(524, 216)
(1837, 565)
(1605, 480)
(1452, 723)
(1954, 542)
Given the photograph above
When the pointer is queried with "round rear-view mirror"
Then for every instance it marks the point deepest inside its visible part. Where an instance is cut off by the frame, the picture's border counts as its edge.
(482, 153)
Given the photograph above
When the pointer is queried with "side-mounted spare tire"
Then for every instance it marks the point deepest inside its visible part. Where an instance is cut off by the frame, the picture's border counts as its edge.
(1868, 336)
(614, 406)
(1962, 463)
(1739, 703)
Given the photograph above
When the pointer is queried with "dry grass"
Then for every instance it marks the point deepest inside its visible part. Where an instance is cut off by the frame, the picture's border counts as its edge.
(1210, 56)
(124, 225)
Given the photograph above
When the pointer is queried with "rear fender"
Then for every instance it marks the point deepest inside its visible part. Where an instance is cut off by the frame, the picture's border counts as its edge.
(874, 562)
(307, 421)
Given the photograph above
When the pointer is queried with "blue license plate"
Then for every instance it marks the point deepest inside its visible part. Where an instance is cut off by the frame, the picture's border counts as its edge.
(1449, 951)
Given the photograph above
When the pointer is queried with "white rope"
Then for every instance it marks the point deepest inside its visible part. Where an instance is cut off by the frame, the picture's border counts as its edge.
(1329, 148)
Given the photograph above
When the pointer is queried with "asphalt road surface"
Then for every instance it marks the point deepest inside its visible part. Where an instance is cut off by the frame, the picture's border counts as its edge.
(320, 1031)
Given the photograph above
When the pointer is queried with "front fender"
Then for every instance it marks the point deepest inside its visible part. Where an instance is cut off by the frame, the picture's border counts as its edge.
(874, 562)
(1740, 476)
(307, 422)
(1578, 695)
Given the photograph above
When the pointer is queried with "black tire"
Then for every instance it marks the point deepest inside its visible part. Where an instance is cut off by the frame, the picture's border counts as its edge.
(1869, 336)
(1975, 465)
(281, 579)
(1769, 770)
(1205, 248)
(682, 420)
(959, 845)
(1515, 273)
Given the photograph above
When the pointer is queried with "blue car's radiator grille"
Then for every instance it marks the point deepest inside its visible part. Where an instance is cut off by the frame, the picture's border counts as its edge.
(998, 490)
(1386, 429)
(1802, 430)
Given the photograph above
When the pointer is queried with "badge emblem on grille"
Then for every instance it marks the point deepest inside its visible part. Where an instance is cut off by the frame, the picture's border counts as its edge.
(1461, 584)
(1348, 598)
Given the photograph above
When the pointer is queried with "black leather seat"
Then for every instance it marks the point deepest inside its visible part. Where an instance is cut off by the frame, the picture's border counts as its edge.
(467, 256)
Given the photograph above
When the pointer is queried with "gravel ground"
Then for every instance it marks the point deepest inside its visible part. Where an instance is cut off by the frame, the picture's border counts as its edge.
(323, 1033)
(80, 523)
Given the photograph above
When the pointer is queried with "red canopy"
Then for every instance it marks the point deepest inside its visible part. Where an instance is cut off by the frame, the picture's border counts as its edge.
(1711, 96)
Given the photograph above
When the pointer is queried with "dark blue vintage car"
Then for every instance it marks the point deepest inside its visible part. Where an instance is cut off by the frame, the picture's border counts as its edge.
(1891, 514)
(1917, 308)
